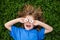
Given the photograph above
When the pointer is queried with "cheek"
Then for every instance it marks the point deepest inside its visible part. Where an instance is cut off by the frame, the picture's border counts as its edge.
(32, 26)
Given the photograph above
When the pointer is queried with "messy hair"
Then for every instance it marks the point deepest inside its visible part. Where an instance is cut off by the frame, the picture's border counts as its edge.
(30, 10)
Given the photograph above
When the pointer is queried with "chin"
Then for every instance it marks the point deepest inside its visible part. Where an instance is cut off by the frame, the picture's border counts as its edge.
(28, 28)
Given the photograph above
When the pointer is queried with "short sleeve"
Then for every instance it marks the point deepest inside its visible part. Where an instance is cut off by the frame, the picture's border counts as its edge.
(13, 31)
(41, 33)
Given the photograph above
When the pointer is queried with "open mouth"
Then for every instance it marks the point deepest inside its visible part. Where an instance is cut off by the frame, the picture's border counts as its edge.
(28, 26)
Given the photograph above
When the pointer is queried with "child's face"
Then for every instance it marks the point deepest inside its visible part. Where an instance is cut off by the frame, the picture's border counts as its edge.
(28, 22)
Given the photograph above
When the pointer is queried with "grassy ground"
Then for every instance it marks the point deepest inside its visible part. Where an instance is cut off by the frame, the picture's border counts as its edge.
(51, 10)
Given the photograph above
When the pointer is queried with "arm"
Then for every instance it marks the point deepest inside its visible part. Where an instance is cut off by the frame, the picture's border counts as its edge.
(47, 27)
(10, 23)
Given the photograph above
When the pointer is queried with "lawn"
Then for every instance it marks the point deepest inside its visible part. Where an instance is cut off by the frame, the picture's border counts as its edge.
(50, 8)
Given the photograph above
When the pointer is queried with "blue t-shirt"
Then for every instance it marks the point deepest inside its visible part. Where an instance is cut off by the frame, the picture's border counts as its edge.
(19, 33)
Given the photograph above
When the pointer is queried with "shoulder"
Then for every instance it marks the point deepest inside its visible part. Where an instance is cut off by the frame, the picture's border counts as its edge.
(42, 30)
(41, 33)
(15, 28)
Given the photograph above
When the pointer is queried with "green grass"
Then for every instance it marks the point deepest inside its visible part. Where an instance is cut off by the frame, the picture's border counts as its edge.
(51, 10)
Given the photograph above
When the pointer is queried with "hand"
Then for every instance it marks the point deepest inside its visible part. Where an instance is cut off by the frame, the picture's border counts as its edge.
(21, 20)
(36, 22)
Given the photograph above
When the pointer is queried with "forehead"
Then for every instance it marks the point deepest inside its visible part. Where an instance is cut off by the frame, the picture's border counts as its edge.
(29, 16)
